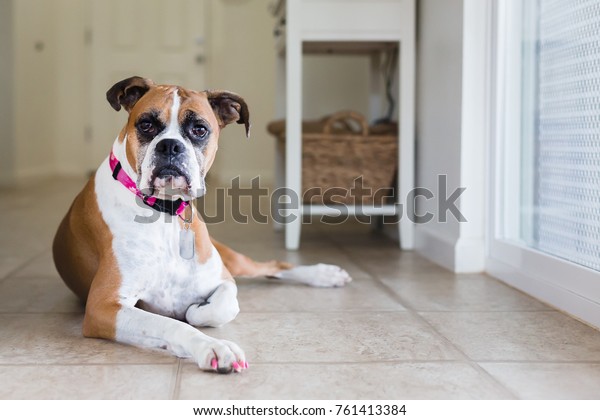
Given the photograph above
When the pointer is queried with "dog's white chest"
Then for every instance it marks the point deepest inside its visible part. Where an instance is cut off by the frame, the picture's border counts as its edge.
(160, 279)
(153, 273)
(169, 284)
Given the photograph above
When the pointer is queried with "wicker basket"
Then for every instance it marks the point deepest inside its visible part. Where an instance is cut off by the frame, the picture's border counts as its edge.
(340, 151)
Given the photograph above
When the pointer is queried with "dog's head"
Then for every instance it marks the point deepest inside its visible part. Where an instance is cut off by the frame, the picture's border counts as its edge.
(172, 133)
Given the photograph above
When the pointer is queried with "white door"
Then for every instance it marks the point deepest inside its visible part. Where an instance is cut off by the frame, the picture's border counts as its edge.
(159, 39)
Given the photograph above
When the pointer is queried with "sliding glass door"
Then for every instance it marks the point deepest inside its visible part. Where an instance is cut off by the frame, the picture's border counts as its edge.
(545, 155)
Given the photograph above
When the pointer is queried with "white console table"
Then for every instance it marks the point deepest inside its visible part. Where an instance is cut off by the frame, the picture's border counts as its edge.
(345, 26)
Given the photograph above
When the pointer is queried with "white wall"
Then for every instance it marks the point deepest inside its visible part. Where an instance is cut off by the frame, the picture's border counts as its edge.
(438, 130)
(449, 136)
(34, 87)
(72, 90)
(43, 101)
(242, 60)
(6, 93)
(333, 83)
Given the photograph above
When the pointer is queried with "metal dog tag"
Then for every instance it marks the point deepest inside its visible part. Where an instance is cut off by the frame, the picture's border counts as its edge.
(187, 237)
(186, 244)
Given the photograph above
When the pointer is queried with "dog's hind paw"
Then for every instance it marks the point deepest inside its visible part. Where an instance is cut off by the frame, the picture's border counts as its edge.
(318, 275)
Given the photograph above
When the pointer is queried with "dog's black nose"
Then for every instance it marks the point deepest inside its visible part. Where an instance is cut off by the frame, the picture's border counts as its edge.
(170, 147)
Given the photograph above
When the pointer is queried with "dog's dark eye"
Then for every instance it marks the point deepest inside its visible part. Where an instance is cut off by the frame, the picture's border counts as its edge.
(199, 131)
(147, 127)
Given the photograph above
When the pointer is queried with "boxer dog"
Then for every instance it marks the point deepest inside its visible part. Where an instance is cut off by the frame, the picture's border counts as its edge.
(147, 281)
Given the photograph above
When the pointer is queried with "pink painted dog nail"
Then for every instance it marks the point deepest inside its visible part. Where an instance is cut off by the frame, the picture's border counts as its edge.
(236, 365)
(214, 363)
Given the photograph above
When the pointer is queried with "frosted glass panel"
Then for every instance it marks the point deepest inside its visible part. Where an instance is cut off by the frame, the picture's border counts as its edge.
(565, 134)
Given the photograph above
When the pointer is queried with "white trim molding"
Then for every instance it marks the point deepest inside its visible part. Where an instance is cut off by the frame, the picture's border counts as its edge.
(459, 246)
(465, 255)
(470, 246)
(436, 246)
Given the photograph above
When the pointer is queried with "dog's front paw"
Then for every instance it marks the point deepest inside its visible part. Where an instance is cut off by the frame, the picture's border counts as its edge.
(319, 275)
(212, 314)
(222, 356)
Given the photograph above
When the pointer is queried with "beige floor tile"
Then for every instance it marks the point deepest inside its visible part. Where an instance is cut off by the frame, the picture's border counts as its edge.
(243, 233)
(252, 233)
(18, 247)
(56, 338)
(407, 266)
(518, 336)
(335, 337)
(27, 226)
(356, 234)
(262, 295)
(40, 266)
(461, 293)
(56, 193)
(118, 382)
(555, 381)
(37, 295)
(10, 263)
(32, 227)
(393, 381)
(368, 243)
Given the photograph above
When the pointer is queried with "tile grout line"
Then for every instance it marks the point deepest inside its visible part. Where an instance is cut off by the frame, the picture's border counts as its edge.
(404, 309)
(541, 362)
(494, 380)
(43, 313)
(177, 384)
(63, 364)
(35, 277)
(177, 363)
(493, 311)
(365, 362)
(324, 311)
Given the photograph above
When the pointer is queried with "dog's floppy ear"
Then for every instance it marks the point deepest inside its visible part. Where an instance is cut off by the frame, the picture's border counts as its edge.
(228, 108)
(127, 92)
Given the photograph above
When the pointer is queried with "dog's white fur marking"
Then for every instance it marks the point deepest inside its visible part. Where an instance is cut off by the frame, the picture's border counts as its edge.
(190, 165)
(160, 283)
(220, 308)
(120, 151)
(319, 275)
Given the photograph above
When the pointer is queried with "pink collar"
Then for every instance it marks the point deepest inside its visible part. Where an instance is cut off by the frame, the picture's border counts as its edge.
(173, 207)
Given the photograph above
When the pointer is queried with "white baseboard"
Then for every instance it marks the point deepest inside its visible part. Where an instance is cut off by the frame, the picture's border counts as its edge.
(457, 255)
(435, 246)
(470, 255)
